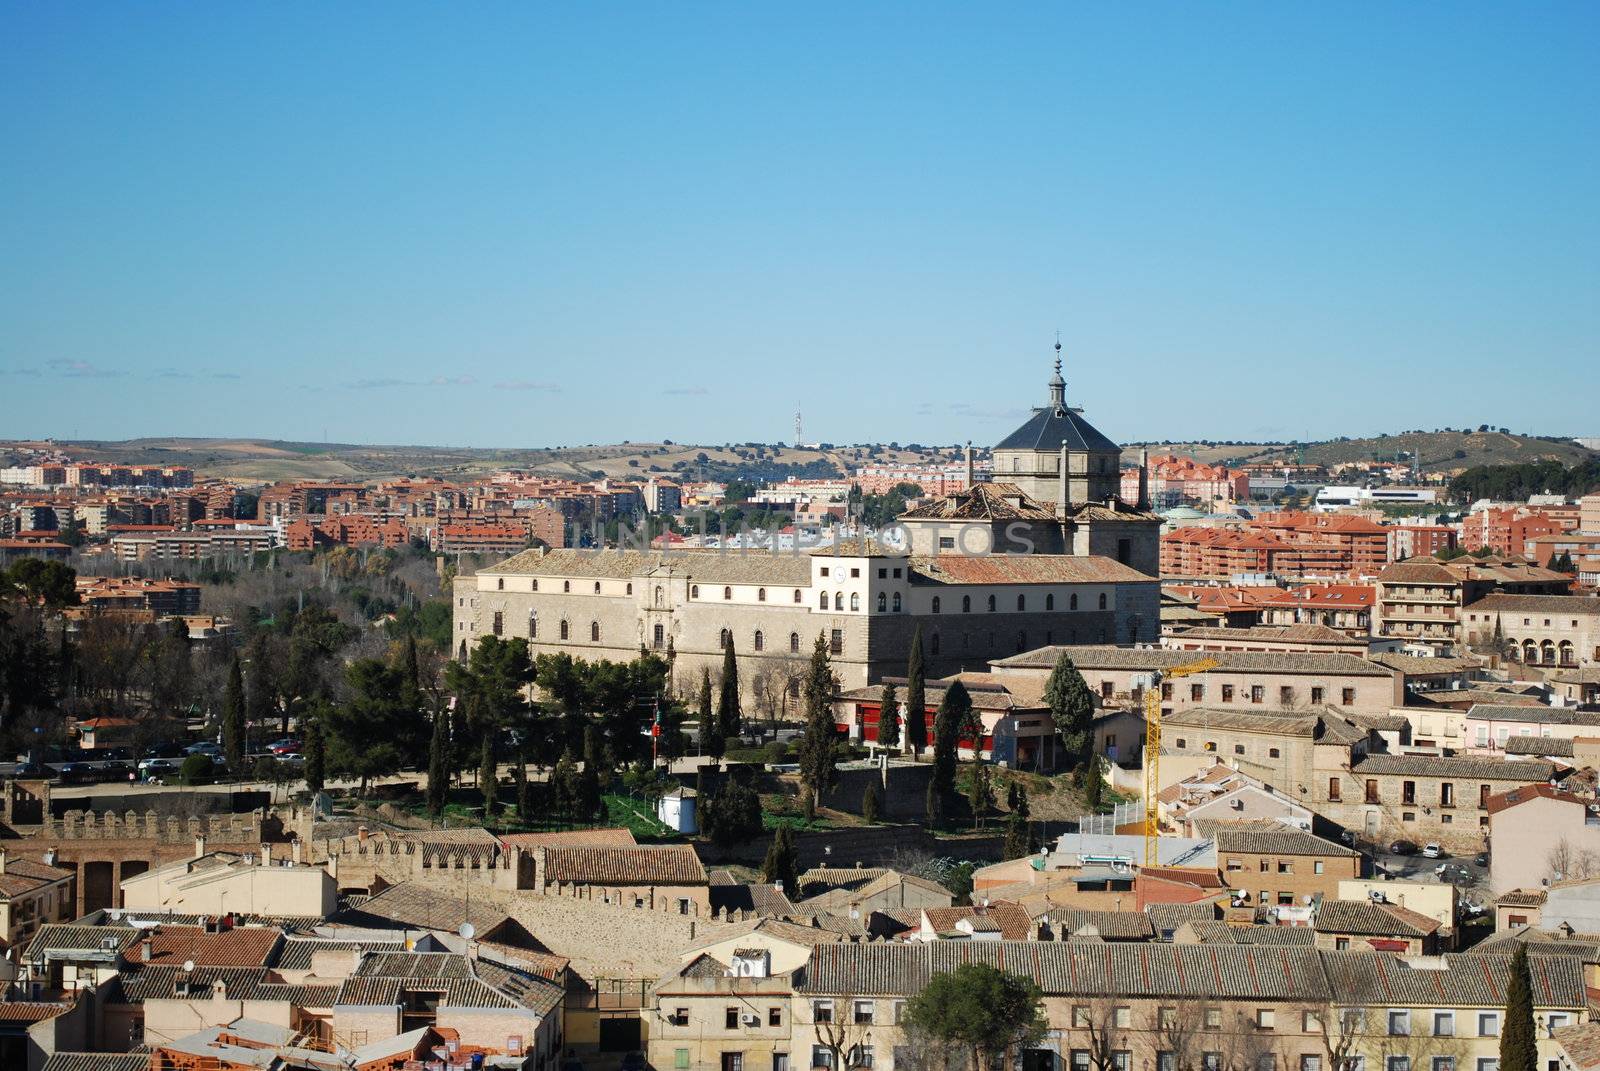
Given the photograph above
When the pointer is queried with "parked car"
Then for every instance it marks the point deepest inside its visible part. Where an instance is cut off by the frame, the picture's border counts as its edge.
(1432, 851)
(1482, 859)
(1402, 847)
(286, 746)
(634, 1061)
(29, 769)
(1454, 873)
(152, 768)
(204, 747)
(163, 750)
(75, 773)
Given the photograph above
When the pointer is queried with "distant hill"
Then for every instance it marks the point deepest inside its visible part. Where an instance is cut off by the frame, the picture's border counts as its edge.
(266, 460)
(1439, 451)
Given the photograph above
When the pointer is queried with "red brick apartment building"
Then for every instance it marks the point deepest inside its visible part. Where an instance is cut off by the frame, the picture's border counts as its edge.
(351, 530)
(1289, 544)
(1509, 530)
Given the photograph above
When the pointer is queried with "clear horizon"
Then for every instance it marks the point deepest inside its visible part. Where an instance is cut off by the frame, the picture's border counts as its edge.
(515, 228)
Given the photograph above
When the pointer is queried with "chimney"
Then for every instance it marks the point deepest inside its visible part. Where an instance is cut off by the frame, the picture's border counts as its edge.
(2, 860)
(147, 949)
(1144, 477)
(294, 851)
(969, 464)
(49, 856)
(199, 845)
(266, 855)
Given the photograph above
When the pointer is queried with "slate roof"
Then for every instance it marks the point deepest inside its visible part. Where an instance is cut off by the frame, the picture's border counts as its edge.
(1049, 427)
(1144, 659)
(1068, 968)
(663, 864)
(1270, 838)
(1364, 918)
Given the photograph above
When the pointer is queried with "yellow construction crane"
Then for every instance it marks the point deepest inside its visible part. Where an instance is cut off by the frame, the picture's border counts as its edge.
(1152, 748)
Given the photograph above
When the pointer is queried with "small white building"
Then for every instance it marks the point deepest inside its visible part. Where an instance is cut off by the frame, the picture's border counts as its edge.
(676, 811)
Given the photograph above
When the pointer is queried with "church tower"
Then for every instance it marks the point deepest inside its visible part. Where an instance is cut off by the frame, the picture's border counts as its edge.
(1059, 457)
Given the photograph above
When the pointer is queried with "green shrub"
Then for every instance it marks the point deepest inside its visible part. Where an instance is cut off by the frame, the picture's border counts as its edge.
(197, 770)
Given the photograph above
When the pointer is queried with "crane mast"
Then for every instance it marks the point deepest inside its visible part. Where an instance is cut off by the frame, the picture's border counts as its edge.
(1152, 748)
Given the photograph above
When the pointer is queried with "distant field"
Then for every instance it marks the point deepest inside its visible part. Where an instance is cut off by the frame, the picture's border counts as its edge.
(1437, 450)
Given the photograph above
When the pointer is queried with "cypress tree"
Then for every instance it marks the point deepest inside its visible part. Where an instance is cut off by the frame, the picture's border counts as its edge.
(871, 802)
(591, 780)
(953, 713)
(1072, 708)
(233, 719)
(728, 714)
(916, 697)
(1519, 1049)
(779, 865)
(889, 720)
(712, 741)
(1016, 843)
(1093, 784)
(487, 778)
(439, 764)
(817, 743)
(316, 754)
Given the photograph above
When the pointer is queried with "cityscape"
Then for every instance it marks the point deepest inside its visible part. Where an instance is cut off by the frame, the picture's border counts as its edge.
(1087, 657)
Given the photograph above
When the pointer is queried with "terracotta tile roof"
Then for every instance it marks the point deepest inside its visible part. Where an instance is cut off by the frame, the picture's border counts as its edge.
(1006, 918)
(1502, 801)
(1522, 898)
(1581, 1044)
(1533, 713)
(1214, 932)
(1563, 605)
(1168, 917)
(1023, 569)
(571, 838)
(666, 864)
(295, 953)
(757, 897)
(1143, 659)
(1271, 838)
(410, 904)
(820, 879)
(73, 937)
(141, 983)
(1110, 925)
(983, 502)
(1452, 766)
(1559, 747)
(250, 946)
(1277, 722)
(1364, 918)
(1067, 968)
(1417, 571)
(1466, 980)
(14, 1011)
(708, 566)
(383, 980)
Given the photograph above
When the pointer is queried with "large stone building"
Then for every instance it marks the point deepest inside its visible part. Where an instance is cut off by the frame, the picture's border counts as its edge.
(993, 570)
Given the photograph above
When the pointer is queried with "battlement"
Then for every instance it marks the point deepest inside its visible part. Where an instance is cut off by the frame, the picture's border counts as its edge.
(218, 830)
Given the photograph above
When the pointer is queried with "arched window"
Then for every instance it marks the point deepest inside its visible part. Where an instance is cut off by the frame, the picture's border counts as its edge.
(1049, 602)
(727, 593)
(936, 604)
(883, 602)
(1530, 652)
(1566, 652)
(838, 600)
(966, 604)
(629, 589)
(797, 596)
(761, 594)
(1022, 603)
(566, 629)
(794, 643)
(594, 632)
(597, 587)
(535, 583)
(1102, 600)
(566, 587)
(991, 604)
(726, 638)
(1072, 601)
(659, 596)
(855, 600)
(1549, 650)
(462, 654)
(897, 602)
(533, 625)
(761, 641)
(694, 591)
(500, 584)
(933, 643)
(822, 601)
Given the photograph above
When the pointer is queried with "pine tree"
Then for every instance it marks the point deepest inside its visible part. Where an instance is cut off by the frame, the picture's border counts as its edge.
(818, 742)
(712, 741)
(439, 763)
(779, 865)
(872, 802)
(1518, 1047)
(889, 720)
(728, 714)
(916, 697)
(1072, 708)
(233, 719)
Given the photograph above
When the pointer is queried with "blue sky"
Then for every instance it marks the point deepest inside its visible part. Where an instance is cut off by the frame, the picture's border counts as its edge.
(529, 225)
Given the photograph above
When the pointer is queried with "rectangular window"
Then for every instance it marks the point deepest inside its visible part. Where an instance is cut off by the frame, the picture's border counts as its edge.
(1444, 1024)
(730, 1018)
(1122, 1017)
(1444, 1063)
(1348, 695)
(1105, 689)
(1266, 1018)
(1334, 795)
(1258, 693)
(1227, 693)
(1317, 693)
(836, 642)
(1397, 1063)
(1197, 692)
(1372, 790)
(1213, 1019)
(1399, 1023)
(1316, 866)
(680, 1057)
(1408, 793)
(1311, 1062)
(863, 1012)
(821, 1056)
(1286, 695)
(822, 1011)
(1080, 1060)
(1447, 794)
(774, 1016)
(1080, 1017)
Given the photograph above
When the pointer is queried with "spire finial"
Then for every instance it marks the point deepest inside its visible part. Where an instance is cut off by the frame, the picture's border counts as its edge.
(1058, 386)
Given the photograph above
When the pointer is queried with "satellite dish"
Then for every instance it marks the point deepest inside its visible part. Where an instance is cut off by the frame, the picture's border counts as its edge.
(466, 931)
(188, 965)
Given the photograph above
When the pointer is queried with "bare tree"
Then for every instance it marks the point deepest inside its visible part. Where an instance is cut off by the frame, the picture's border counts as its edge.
(842, 1036)
(1567, 863)
(1107, 1024)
